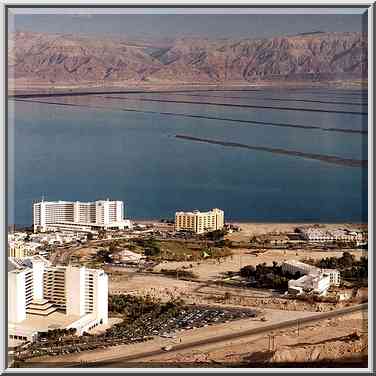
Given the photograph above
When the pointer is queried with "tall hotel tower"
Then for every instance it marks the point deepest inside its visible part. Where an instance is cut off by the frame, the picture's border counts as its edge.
(79, 215)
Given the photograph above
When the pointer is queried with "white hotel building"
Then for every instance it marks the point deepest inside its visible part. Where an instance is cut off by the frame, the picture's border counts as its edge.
(80, 216)
(42, 297)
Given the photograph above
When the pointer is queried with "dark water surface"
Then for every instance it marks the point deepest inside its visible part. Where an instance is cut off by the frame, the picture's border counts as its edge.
(99, 150)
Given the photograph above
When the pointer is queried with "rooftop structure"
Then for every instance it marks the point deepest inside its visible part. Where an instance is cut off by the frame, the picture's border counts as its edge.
(199, 222)
(311, 282)
(293, 266)
(79, 216)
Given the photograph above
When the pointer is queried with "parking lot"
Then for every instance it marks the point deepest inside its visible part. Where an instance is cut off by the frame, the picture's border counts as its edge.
(144, 328)
(192, 317)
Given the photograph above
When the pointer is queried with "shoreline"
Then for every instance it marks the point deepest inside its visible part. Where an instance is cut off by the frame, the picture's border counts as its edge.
(93, 89)
(265, 223)
(241, 221)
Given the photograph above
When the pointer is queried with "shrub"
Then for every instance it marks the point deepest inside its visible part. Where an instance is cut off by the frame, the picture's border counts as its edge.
(176, 273)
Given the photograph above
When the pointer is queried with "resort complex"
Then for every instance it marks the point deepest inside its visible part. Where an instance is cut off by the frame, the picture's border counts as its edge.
(317, 235)
(83, 277)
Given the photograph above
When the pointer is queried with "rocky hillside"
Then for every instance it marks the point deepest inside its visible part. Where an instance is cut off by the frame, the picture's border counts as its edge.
(54, 59)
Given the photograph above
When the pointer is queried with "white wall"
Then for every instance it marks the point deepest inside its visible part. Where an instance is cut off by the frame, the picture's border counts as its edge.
(76, 211)
(16, 297)
(75, 291)
(38, 270)
(43, 215)
(101, 296)
(323, 283)
(119, 211)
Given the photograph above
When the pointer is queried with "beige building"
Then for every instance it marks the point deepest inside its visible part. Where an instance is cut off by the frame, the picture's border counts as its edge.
(199, 222)
(16, 249)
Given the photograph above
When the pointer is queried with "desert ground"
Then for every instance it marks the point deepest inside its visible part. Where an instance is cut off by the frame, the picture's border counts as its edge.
(250, 229)
(342, 337)
(308, 344)
(322, 341)
(203, 290)
(211, 269)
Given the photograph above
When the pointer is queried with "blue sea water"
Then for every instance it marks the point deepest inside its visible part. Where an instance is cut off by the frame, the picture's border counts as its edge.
(88, 153)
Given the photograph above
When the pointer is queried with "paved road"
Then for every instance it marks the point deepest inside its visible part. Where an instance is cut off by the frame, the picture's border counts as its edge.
(232, 336)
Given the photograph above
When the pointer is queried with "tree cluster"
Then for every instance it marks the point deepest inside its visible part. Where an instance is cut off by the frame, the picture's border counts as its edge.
(137, 310)
(345, 261)
(350, 268)
(215, 253)
(216, 235)
(265, 276)
(103, 255)
(224, 243)
(179, 273)
(151, 246)
(57, 333)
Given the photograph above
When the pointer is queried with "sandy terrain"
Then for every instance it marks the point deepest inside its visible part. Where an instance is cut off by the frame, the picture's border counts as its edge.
(316, 342)
(305, 343)
(254, 229)
(158, 286)
(202, 293)
(129, 281)
(184, 336)
(211, 269)
(311, 343)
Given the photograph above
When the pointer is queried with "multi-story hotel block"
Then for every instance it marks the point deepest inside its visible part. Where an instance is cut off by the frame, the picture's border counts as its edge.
(82, 216)
(199, 222)
(43, 297)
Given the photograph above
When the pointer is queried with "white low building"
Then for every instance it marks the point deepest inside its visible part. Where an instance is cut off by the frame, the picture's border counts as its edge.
(43, 297)
(317, 283)
(313, 280)
(316, 235)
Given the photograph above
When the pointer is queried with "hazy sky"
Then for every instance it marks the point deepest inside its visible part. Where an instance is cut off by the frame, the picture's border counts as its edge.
(178, 25)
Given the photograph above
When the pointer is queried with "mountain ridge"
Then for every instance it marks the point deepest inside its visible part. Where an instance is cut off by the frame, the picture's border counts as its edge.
(67, 59)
